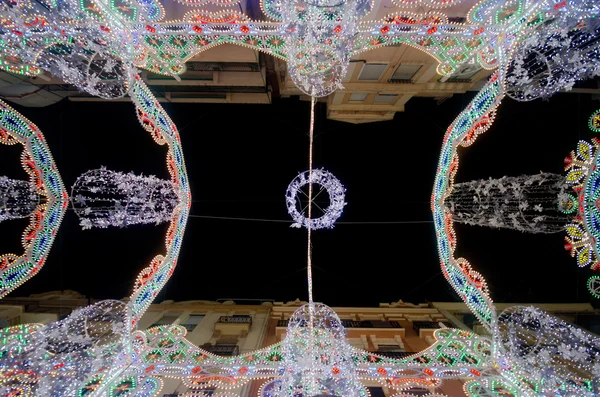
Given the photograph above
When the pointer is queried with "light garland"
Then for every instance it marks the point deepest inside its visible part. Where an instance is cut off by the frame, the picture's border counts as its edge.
(317, 357)
(330, 184)
(227, 17)
(594, 122)
(530, 203)
(426, 3)
(92, 341)
(44, 178)
(554, 57)
(419, 395)
(97, 49)
(583, 232)
(220, 3)
(18, 199)
(103, 198)
(593, 285)
(271, 8)
(320, 40)
(559, 357)
(430, 18)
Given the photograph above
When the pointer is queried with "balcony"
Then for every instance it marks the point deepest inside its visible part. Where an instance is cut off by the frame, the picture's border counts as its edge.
(233, 325)
(420, 326)
(222, 350)
(235, 320)
(394, 355)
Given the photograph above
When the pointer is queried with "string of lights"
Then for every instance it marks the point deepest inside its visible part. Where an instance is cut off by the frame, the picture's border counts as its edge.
(18, 199)
(98, 46)
(103, 198)
(530, 203)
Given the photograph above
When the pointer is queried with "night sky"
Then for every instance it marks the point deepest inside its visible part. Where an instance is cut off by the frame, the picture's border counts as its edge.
(240, 159)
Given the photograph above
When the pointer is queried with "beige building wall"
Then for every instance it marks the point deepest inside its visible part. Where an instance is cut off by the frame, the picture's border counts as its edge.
(222, 324)
(389, 328)
(392, 328)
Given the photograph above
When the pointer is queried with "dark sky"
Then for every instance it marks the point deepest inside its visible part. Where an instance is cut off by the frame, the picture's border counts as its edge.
(240, 159)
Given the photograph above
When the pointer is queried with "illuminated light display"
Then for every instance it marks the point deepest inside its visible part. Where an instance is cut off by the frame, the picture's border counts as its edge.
(52, 200)
(550, 352)
(155, 120)
(593, 285)
(327, 368)
(420, 395)
(272, 9)
(93, 58)
(222, 17)
(98, 46)
(92, 341)
(426, 3)
(18, 199)
(222, 3)
(327, 182)
(551, 60)
(103, 198)
(583, 232)
(484, 103)
(320, 38)
(594, 122)
(164, 351)
(531, 203)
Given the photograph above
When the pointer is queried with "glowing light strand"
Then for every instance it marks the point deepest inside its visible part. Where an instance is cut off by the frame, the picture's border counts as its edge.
(18, 199)
(558, 356)
(310, 163)
(529, 203)
(38, 237)
(103, 198)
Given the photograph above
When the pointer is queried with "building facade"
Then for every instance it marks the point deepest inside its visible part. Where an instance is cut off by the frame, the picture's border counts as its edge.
(229, 328)
(378, 84)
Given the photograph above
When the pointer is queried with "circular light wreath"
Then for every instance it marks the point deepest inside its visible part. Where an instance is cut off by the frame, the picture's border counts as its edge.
(594, 122)
(594, 286)
(335, 190)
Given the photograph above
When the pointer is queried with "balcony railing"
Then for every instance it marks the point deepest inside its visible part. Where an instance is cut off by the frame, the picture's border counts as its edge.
(235, 320)
(419, 325)
(357, 324)
(223, 350)
(396, 355)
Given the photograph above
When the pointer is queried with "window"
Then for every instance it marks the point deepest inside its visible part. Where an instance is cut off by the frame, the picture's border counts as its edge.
(405, 72)
(386, 98)
(167, 319)
(358, 97)
(372, 71)
(224, 350)
(192, 321)
(465, 73)
(389, 348)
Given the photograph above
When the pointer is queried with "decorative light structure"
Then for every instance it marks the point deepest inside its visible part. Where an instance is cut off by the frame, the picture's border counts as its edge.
(530, 203)
(554, 57)
(321, 36)
(317, 358)
(103, 198)
(330, 184)
(83, 43)
(90, 67)
(18, 199)
(583, 176)
(557, 356)
(488, 38)
(58, 358)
